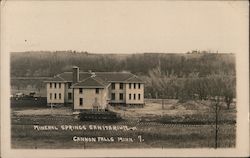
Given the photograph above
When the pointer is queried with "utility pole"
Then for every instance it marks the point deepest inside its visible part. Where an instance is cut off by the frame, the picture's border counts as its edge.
(217, 108)
(216, 125)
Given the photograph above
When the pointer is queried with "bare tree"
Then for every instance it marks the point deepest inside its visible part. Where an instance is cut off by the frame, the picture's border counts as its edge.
(229, 90)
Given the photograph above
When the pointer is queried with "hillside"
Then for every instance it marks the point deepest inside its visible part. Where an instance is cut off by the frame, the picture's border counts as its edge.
(50, 63)
(175, 76)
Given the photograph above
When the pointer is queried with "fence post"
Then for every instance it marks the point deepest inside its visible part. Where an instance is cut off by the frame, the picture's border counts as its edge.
(216, 126)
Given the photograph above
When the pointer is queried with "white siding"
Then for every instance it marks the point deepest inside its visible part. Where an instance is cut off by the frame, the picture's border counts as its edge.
(117, 92)
(126, 91)
(135, 91)
(52, 91)
(67, 91)
(89, 96)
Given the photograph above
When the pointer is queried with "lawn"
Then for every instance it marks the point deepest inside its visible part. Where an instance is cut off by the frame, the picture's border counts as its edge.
(148, 127)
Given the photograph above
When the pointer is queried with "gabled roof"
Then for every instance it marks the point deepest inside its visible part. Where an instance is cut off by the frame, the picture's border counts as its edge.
(101, 79)
(68, 76)
(91, 82)
(106, 76)
(56, 78)
(114, 76)
(134, 78)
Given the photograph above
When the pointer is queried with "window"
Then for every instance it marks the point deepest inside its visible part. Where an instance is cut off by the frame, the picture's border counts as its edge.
(69, 96)
(59, 85)
(80, 101)
(50, 85)
(55, 85)
(55, 96)
(113, 86)
(121, 85)
(69, 85)
(129, 85)
(134, 85)
(121, 96)
(139, 86)
(134, 97)
(97, 91)
(60, 96)
(50, 96)
(129, 96)
(80, 90)
(113, 96)
(139, 96)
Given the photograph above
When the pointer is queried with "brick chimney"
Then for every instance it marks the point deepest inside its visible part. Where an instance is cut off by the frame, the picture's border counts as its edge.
(75, 74)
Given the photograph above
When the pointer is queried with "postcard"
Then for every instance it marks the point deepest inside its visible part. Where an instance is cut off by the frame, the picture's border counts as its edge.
(124, 78)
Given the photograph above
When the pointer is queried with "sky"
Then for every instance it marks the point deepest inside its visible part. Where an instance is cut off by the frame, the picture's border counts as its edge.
(125, 26)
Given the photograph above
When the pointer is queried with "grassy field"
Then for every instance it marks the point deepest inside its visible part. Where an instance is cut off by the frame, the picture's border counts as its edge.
(171, 111)
(150, 127)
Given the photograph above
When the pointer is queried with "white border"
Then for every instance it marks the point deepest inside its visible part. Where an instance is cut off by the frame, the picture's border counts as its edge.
(242, 144)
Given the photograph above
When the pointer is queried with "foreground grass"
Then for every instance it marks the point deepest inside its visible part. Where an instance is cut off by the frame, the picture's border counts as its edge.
(155, 135)
(178, 125)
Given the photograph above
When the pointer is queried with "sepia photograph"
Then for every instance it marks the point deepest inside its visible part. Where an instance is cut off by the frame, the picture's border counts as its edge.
(106, 78)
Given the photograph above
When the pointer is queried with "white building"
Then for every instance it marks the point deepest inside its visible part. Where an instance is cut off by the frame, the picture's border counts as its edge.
(95, 90)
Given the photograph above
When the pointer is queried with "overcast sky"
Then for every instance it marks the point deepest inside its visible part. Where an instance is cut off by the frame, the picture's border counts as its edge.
(125, 26)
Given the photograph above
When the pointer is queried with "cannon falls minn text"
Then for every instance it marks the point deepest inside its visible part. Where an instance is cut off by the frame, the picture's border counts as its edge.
(92, 128)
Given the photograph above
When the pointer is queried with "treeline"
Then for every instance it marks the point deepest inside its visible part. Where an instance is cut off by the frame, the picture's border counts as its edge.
(181, 65)
(180, 76)
(193, 87)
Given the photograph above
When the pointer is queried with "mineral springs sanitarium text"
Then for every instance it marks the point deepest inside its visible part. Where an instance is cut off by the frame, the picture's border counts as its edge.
(84, 127)
(90, 128)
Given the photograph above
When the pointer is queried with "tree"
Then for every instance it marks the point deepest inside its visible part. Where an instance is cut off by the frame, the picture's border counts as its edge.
(222, 86)
(229, 90)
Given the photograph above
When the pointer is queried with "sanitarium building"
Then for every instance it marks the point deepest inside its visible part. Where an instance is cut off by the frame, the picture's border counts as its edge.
(95, 90)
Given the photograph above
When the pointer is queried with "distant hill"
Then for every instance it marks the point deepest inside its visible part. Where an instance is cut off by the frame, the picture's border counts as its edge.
(45, 63)
(179, 76)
